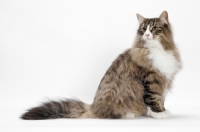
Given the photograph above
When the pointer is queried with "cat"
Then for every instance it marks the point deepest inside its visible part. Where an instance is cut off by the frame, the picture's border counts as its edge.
(134, 85)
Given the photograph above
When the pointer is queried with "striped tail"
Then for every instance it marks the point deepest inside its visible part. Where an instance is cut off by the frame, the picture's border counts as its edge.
(69, 108)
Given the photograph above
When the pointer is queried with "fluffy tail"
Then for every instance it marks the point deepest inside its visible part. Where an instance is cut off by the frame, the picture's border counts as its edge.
(69, 108)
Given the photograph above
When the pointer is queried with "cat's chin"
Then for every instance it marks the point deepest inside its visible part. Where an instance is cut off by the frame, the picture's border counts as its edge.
(149, 42)
(149, 39)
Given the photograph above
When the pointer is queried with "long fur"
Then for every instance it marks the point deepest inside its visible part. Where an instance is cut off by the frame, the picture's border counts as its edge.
(69, 108)
(137, 80)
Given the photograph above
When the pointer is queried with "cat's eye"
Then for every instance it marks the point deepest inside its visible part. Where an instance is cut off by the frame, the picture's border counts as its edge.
(155, 28)
(144, 28)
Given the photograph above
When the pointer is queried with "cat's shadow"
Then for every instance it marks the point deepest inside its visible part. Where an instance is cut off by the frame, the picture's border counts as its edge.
(182, 116)
(173, 116)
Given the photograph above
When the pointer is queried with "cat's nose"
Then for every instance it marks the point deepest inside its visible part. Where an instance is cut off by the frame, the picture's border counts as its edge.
(146, 35)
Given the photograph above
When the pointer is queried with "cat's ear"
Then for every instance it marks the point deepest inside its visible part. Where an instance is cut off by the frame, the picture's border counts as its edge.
(140, 18)
(164, 17)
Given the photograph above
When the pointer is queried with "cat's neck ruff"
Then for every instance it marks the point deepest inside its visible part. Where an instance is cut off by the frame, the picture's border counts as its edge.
(162, 60)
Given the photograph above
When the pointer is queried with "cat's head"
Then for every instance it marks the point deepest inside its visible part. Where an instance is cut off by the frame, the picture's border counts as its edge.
(155, 29)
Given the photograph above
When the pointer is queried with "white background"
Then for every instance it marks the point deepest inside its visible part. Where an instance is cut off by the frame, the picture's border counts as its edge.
(61, 49)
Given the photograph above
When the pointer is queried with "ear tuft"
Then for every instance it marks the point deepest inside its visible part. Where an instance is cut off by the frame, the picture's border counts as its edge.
(140, 18)
(164, 17)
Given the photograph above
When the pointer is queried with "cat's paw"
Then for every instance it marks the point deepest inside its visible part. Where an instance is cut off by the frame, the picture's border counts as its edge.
(130, 115)
(160, 115)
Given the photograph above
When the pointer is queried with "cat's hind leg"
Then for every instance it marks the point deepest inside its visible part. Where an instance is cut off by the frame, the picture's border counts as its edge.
(129, 115)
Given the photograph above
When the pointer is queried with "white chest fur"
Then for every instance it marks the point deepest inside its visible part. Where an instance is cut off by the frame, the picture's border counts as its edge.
(162, 60)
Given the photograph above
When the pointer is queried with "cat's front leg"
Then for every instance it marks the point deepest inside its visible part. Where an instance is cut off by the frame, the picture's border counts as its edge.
(153, 98)
(159, 115)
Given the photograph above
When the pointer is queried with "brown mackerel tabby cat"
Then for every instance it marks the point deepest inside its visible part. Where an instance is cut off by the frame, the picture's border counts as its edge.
(135, 84)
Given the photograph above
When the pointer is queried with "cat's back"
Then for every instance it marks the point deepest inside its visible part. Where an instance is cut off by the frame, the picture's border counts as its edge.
(119, 89)
(116, 73)
(120, 67)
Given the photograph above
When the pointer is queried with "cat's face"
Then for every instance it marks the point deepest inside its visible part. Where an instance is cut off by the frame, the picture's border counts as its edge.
(151, 29)
(154, 29)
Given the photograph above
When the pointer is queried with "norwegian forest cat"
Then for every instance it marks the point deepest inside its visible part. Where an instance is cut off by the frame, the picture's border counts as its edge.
(134, 85)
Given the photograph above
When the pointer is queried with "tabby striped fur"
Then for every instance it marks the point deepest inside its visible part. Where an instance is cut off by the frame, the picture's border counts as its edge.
(135, 82)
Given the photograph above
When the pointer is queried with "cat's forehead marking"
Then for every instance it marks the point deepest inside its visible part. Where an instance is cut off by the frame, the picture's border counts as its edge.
(151, 22)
